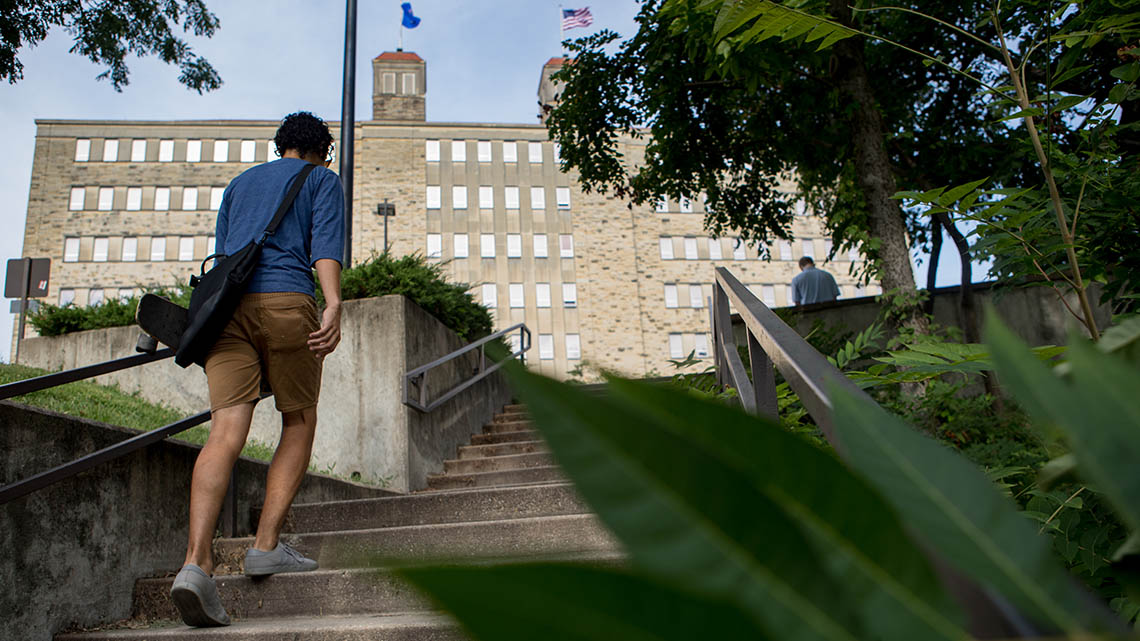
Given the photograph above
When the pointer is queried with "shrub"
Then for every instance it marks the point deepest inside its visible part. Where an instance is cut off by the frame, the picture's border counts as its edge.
(54, 320)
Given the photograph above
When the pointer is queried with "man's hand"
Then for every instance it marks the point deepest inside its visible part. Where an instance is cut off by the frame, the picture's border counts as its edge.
(323, 341)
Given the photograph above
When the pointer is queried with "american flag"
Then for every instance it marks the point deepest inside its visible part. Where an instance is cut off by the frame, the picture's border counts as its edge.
(576, 18)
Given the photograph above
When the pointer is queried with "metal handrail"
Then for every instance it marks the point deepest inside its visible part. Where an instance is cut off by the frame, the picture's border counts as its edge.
(418, 376)
(771, 342)
(38, 383)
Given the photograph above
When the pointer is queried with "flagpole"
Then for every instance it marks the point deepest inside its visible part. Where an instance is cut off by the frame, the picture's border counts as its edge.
(561, 31)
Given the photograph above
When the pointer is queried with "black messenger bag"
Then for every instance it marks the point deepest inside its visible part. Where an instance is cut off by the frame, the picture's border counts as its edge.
(218, 292)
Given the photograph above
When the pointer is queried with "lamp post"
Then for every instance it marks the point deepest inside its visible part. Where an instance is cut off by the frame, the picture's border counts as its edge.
(347, 123)
(386, 209)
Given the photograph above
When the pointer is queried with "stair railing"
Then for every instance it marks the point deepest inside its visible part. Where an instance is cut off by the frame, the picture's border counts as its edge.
(149, 353)
(416, 379)
(771, 343)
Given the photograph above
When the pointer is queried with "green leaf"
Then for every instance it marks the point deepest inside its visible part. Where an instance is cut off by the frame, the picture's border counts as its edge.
(1098, 413)
(1119, 93)
(737, 508)
(1067, 102)
(1127, 72)
(556, 602)
(954, 508)
(954, 194)
(1023, 113)
(1056, 471)
(1123, 338)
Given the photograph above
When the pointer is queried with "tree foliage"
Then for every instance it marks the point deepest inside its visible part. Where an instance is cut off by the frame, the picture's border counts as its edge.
(105, 31)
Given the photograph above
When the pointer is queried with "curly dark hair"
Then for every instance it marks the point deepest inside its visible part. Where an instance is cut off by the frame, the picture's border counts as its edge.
(305, 133)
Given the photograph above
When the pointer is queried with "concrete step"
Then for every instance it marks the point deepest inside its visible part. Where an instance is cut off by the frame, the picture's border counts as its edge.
(502, 449)
(413, 626)
(501, 539)
(506, 426)
(515, 407)
(504, 437)
(497, 463)
(457, 506)
(488, 479)
(512, 417)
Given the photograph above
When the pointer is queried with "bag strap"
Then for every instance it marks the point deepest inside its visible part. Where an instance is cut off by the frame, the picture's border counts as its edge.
(287, 202)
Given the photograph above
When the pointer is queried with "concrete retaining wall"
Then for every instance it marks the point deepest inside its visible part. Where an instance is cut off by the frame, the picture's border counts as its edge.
(364, 431)
(72, 551)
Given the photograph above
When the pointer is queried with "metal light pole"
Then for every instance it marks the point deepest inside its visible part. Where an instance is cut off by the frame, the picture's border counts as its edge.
(386, 209)
(348, 124)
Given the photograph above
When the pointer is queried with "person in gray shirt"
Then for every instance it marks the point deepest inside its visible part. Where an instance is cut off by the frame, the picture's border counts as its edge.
(813, 285)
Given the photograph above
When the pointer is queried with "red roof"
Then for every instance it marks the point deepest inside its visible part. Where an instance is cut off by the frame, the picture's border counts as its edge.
(399, 55)
(556, 62)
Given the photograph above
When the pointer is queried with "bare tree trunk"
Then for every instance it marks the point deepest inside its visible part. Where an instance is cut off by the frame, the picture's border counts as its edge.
(966, 305)
(876, 180)
(932, 267)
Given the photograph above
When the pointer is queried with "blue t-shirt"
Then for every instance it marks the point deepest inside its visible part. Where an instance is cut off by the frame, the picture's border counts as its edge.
(814, 286)
(312, 229)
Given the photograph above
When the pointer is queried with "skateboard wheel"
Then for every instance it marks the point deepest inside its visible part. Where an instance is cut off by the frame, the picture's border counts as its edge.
(146, 344)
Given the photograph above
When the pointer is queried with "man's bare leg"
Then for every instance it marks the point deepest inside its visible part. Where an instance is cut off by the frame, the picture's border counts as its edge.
(290, 462)
(228, 430)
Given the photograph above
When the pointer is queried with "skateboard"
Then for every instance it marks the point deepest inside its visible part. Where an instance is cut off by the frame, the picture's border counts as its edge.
(161, 319)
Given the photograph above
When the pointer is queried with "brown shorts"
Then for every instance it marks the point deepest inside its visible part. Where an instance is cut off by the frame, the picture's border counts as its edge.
(267, 337)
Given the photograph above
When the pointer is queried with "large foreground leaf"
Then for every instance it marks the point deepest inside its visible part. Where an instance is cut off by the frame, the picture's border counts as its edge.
(738, 509)
(1099, 412)
(552, 602)
(950, 503)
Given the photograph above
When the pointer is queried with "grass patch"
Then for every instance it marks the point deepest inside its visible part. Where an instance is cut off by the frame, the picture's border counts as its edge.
(109, 404)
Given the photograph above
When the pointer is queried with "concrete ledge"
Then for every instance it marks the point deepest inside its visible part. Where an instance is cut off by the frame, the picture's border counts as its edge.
(72, 551)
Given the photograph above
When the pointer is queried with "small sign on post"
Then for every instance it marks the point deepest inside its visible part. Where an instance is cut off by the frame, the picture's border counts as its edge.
(26, 278)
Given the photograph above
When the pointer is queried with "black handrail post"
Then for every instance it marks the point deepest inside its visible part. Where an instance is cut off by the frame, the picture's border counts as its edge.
(763, 379)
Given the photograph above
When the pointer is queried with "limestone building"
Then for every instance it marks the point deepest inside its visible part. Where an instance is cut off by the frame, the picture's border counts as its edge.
(120, 205)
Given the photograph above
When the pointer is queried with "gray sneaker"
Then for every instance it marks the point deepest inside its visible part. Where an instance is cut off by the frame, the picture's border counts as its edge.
(196, 596)
(282, 558)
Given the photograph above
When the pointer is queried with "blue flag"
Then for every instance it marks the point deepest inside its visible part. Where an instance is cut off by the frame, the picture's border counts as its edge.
(410, 21)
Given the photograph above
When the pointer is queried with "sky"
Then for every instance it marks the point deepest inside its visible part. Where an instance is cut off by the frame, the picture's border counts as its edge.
(483, 64)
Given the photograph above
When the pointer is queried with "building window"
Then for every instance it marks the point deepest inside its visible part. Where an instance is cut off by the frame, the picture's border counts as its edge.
(511, 198)
(808, 248)
(106, 198)
(785, 250)
(460, 243)
(211, 245)
(690, 248)
(66, 297)
(662, 206)
(534, 152)
(853, 254)
(431, 150)
(537, 198)
(827, 245)
(458, 151)
(557, 153)
(490, 296)
(686, 206)
(515, 291)
(542, 295)
(193, 151)
(216, 197)
(248, 150)
(70, 250)
(221, 150)
(701, 345)
(573, 347)
(562, 196)
(696, 296)
(134, 198)
(546, 347)
(569, 295)
(458, 197)
(95, 297)
(510, 151)
(487, 245)
(110, 150)
(101, 247)
(138, 151)
(666, 248)
(161, 198)
(768, 295)
(82, 150)
(540, 246)
(125, 293)
(483, 148)
(566, 245)
(434, 245)
(860, 291)
(486, 198)
(433, 196)
(514, 246)
(800, 208)
(271, 151)
(670, 296)
(158, 249)
(739, 252)
(165, 150)
(186, 248)
(388, 82)
(714, 249)
(78, 195)
(409, 84)
(676, 349)
(189, 198)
